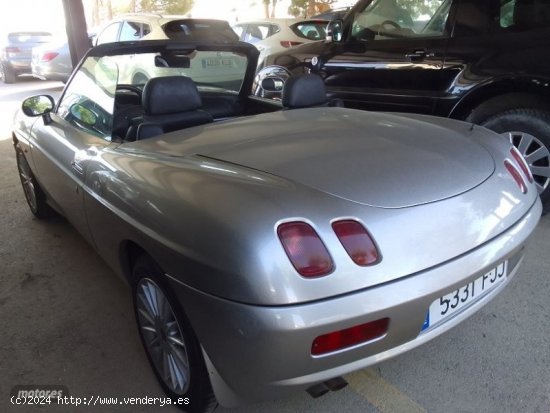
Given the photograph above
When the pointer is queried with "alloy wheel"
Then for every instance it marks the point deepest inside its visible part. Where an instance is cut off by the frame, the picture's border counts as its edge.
(27, 180)
(162, 336)
(536, 154)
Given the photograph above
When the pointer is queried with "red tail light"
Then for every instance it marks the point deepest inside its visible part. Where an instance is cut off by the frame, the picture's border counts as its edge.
(289, 43)
(357, 242)
(349, 337)
(522, 163)
(305, 249)
(46, 57)
(516, 175)
(12, 49)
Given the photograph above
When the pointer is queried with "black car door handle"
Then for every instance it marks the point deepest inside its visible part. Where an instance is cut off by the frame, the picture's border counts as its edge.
(418, 55)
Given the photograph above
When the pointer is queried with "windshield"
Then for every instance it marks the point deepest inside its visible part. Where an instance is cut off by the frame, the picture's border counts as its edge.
(382, 19)
(208, 69)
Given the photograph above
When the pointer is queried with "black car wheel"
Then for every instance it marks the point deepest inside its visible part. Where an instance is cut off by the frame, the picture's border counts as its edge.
(33, 193)
(526, 123)
(7, 75)
(169, 341)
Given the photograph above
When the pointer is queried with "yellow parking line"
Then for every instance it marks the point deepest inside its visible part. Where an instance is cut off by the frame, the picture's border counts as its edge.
(381, 394)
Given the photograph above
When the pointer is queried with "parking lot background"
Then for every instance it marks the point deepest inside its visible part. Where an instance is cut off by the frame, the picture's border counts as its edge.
(67, 320)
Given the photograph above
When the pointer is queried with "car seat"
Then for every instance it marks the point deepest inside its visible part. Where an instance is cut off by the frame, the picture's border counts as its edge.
(170, 103)
(308, 90)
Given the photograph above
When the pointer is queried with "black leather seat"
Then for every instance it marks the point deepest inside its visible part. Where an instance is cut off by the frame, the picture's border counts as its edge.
(305, 91)
(170, 103)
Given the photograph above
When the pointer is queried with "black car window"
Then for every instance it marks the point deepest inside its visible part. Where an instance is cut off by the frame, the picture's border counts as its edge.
(390, 19)
(88, 101)
(145, 29)
(109, 34)
(256, 32)
(239, 29)
(130, 31)
(312, 30)
(523, 15)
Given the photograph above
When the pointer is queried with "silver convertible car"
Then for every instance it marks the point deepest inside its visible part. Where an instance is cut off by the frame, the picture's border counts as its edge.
(271, 246)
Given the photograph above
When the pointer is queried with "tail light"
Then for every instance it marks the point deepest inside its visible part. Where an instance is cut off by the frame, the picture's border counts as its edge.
(516, 175)
(46, 57)
(518, 157)
(289, 43)
(338, 340)
(11, 49)
(304, 248)
(357, 242)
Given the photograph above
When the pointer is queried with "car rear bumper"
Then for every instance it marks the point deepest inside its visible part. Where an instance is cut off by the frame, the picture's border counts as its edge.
(256, 353)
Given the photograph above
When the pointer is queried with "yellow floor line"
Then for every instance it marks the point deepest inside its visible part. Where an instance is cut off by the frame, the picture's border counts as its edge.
(381, 394)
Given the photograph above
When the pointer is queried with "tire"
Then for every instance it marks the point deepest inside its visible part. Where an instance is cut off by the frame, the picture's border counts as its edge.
(167, 336)
(526, 123)
(36, 199)
(7, 75)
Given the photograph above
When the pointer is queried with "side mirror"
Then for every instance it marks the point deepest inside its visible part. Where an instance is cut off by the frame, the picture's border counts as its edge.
(37, 105)
(84, 115)
(335, 31)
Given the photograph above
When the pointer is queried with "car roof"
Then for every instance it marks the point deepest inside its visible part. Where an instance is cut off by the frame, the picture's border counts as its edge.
(287, 21)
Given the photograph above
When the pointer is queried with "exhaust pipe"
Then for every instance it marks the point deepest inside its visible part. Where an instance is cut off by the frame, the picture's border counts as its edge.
(320, 389)
(335, 384)
(317, 390)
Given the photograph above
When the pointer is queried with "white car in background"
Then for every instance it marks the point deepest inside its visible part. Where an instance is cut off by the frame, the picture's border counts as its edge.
(274, 35)
(216, 69)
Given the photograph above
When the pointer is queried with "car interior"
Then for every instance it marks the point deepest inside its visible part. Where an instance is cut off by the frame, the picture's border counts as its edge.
(171, 103)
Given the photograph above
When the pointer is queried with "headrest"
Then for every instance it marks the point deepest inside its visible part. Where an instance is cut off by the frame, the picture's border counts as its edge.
(170, 94)
(304, 91)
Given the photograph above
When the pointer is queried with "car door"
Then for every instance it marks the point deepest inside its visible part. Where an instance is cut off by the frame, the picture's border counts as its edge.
(77, 131)
(393, 56)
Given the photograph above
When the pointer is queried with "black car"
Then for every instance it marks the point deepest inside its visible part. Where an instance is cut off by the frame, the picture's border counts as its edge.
(480, 61)
(16, 53)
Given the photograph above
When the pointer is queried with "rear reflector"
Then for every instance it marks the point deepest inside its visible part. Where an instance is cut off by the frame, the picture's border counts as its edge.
(304, 248)
(516, 175)
(289, 43)
(331, 342)
(357, 242)
(522, 163)
(46, 57)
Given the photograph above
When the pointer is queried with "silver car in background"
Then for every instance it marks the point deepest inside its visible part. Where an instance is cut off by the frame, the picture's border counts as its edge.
(52, 61)
(16, 53)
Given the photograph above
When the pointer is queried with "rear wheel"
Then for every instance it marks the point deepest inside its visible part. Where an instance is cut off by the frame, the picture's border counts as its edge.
(36, 199)
(169, 341)
(7, 75)
(525, 122)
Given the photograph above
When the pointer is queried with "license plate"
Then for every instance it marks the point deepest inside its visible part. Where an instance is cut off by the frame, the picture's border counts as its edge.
(217, 61)
(444, 307)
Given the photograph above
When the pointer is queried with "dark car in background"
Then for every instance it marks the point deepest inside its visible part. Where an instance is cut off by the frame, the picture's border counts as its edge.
(480, 61)
(16, 52)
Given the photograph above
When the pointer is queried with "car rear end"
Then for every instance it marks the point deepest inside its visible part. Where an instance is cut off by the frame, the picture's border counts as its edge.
(346, 264)
(52, 61)
(17, 53)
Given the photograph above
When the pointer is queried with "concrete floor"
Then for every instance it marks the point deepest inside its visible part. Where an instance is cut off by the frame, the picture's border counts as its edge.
(67, 320)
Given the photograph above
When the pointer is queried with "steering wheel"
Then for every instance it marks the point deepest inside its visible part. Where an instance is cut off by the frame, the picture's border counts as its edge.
(130, 88)
(390, 25)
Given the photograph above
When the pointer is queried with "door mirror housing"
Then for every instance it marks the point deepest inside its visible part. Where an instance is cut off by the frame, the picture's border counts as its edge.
(37, 105)
(335, 31)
